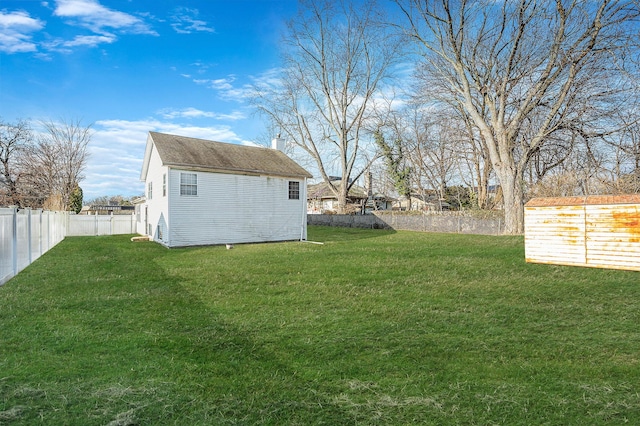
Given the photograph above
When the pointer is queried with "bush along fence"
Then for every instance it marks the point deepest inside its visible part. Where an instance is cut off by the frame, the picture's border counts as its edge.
(447, 222)
(27, 234)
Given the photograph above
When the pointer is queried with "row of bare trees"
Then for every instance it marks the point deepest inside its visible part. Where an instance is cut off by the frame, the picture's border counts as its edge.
(337, 57)
(524, 95)
(43, 169)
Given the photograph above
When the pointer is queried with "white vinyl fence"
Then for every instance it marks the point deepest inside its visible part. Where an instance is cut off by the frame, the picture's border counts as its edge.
(27, 234)
(81, 225)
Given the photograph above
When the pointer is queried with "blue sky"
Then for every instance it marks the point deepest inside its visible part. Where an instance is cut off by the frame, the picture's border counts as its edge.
(127, 67)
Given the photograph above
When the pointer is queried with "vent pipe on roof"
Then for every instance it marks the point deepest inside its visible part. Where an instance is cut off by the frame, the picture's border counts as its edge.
(278, 143)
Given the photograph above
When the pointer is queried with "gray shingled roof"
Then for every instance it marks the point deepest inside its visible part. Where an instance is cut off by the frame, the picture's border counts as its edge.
(322, 190)
(192, 153)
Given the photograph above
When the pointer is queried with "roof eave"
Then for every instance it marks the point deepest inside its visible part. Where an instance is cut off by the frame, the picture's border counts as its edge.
(248, 172)
(147, 158)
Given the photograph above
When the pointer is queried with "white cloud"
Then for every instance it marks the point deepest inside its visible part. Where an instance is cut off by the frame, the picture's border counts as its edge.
(185, 21)
(96, 17)
(90, 41)
(217, 84)
(19, 20)
(16, 28)
(223, 83)
(234, 115)
(15, 31)
(196, 113)
(64, 46)
(202, 68)
(226, 89)
(269, 78)
(186, 113)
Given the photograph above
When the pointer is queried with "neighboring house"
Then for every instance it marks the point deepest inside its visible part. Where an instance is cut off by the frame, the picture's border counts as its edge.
(106, 210)
(200, 192)
(429, 202)
(378, 202)
(321, 198)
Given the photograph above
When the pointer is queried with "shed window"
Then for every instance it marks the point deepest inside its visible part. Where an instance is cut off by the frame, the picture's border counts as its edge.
(294, 190)
(188, 184)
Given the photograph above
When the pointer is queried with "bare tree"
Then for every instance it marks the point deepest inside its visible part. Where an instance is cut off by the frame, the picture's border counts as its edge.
(427, 149)
(465, 149)
(606, 164)
(524, 71)
(56, 163)
(474, 166)
(337, 55)
(625, 146)
(42, 177)
(14, 140)
(438, 157)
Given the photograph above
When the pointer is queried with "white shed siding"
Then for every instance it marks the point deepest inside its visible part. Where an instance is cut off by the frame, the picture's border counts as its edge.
(555, 235)
(233, 208)
(613, 236)
(157, 205)
(597, 231)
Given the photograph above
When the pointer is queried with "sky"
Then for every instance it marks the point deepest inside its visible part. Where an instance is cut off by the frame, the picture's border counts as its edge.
(129, 67)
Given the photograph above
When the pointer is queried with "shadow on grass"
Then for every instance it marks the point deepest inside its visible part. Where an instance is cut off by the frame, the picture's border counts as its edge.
(232, 377)
(103, 334)
(328, 233)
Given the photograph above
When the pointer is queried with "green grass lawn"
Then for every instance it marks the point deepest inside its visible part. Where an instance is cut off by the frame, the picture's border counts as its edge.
(373, 327)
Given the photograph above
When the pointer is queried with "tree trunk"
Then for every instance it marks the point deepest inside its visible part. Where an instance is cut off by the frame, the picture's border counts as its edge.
(482, 193)
(513, 200)
(342, 199)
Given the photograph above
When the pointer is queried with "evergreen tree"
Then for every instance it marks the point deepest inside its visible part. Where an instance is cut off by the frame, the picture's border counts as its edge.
(75, 201)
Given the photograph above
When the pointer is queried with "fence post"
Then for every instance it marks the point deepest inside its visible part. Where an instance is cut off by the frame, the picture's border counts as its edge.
(41, 236)
(48, 246)
(44, 223)
(14, 240)
(29, 231)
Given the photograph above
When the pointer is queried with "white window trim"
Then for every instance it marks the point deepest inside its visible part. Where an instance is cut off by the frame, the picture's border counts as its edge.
(184, 186)
(293, 191)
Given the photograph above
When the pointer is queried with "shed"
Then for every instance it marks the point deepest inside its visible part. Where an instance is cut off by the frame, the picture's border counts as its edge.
(201, 192)
(599, 231)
